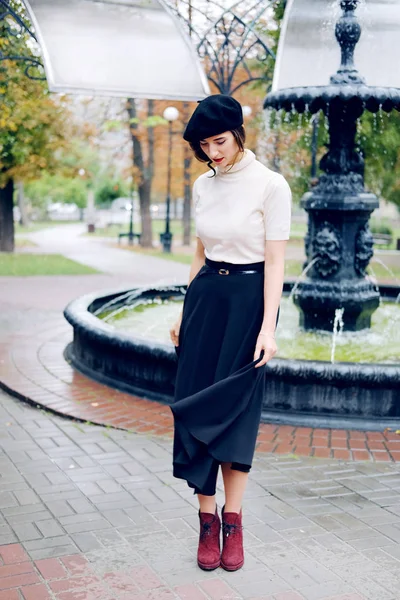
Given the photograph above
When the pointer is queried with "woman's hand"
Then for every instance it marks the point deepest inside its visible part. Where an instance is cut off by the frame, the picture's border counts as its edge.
(174, 331)
(266, 342)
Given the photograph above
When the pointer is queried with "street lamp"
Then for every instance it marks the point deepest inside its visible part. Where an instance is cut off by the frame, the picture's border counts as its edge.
(170, 114)
(246, 111)
(131, 235)
(90, 208)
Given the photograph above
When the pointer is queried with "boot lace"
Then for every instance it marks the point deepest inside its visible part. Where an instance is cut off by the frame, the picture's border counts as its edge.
(206, 529)
(230, 528)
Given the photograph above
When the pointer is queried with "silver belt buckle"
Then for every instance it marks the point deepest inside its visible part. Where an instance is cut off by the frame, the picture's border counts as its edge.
(223, 272)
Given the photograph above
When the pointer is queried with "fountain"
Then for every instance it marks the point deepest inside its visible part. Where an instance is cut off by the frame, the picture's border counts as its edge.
(339, 207)
(333, 294)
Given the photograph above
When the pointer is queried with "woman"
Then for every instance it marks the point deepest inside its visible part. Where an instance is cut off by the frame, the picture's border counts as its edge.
(226, 333)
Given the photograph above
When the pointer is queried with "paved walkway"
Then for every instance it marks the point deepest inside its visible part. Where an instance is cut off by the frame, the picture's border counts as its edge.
(94, 514)
(68, 240)
(32, 366)
(35, 334)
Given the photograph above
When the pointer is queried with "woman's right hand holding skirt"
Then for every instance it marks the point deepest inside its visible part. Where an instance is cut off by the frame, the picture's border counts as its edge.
(174, 331)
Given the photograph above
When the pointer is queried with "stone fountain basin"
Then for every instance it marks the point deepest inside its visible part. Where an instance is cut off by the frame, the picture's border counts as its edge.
(298, 392)
(314, 98)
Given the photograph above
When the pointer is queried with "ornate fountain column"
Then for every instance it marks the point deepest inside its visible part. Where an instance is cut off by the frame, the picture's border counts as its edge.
(339, 209)
(338, 242)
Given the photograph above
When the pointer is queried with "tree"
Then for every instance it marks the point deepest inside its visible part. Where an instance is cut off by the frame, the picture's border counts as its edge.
(379, 138)
(56, 188)
(110, 189)
(149, 139)
(144, 168)
(33, 126)
(77, 171)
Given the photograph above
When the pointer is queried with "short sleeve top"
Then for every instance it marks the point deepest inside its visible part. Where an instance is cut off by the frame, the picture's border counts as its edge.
(240, 208)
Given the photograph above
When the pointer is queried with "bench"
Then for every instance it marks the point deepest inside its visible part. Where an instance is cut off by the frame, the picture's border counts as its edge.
(382, 239)
(131, 237)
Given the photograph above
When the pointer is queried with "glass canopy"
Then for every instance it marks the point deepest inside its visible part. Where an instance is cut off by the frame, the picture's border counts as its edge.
(130, 48)
(309, 54)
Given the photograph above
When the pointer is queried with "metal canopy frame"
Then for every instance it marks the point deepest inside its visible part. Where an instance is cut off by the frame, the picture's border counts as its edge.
(33, 66)
(308, 52)
(227, 39)
(147, 54)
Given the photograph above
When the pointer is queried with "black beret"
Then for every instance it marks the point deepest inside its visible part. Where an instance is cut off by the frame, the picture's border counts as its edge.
(215, 114)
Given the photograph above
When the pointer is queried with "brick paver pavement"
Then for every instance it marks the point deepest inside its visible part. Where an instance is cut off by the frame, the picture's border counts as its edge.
(33, 367)
(93, 513)
(34, 335)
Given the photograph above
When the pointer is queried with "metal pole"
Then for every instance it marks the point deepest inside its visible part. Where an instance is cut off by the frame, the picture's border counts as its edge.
(169, 177)
(130, 238)
(166, 238)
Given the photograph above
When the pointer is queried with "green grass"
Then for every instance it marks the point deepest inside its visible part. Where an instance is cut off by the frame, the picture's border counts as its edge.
(112, 231)
(293, 268)
(382, 273)
(396, 236)
(176, 227)
(22, 265)
(185, 259)
(38, 225)
(24, 243)
(298, 230)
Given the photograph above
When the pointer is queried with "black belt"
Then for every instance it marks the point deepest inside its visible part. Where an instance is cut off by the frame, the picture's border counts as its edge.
(224, 268)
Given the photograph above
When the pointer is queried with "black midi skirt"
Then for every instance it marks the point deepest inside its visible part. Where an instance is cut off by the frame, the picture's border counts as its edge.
(218, 390)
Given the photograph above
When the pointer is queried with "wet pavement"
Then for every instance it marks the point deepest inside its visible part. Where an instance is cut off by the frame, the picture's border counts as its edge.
(93, 513)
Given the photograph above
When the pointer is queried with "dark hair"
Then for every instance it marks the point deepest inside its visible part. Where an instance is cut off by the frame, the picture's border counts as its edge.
(240, 136)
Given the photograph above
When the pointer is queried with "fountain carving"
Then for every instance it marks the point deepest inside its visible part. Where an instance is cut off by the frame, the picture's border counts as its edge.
(339, 207)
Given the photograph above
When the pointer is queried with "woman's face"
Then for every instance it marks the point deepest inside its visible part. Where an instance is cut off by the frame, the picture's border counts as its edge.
(221, 149)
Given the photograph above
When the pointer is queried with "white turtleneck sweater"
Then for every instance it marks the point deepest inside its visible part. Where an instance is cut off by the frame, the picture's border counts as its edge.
(240, 208)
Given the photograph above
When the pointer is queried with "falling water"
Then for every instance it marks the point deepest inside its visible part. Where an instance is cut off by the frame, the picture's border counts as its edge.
(301, 121)
(337, 331)
(381, 124)
(380, 344)
(127, 296)
(305, 271)
(326, 120)
(378, 260)
(374, 281)
(128, 299)
(307, 137)
(328, 24)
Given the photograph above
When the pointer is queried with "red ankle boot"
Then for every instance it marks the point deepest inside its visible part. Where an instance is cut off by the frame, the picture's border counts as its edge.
(232, 557)
(209, 552)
